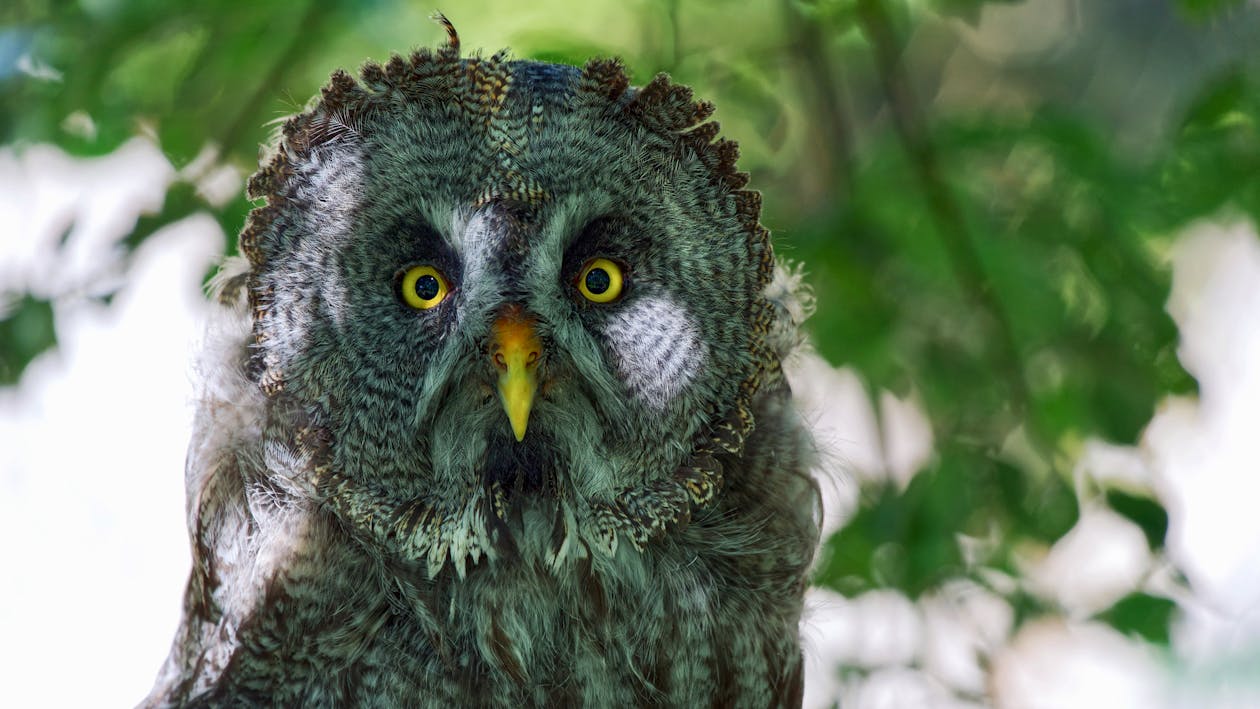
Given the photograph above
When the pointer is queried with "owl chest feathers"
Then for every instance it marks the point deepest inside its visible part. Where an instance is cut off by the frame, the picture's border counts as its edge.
(295, 607)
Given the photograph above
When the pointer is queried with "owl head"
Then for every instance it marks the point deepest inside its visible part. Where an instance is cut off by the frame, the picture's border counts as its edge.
(493, 296)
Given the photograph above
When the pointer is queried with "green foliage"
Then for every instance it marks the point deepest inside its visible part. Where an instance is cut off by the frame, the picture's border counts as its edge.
(192, 72)
(909, 540)
(26, 330)
(1147, 514)
(1206, 8)
(902, 540)
(1143, 615)
(1215, 157)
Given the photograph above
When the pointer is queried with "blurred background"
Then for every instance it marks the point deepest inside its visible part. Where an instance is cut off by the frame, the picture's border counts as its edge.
(1030, 228)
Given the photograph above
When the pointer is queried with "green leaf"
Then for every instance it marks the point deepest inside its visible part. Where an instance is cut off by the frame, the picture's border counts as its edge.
(1043, 508)
(1215, 159)
(148, 75)
(1147, 514)
(1027, 607)
(1217, 102)
(1056, 224)
(1205, 8)
(836, 16)
(1146, 616)
(26, 330)
(904, 540)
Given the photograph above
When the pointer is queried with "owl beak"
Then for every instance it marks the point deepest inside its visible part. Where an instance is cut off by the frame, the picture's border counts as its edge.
(515, 350)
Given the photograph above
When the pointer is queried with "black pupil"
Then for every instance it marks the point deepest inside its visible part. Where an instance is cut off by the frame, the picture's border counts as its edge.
(597, 280)
(427, 287)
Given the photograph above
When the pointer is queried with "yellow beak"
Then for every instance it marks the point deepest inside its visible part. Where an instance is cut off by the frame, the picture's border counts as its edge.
(515, 350)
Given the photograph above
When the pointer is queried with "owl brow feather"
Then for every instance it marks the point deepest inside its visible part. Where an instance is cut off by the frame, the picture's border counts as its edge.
(335, 127)
(452, 37)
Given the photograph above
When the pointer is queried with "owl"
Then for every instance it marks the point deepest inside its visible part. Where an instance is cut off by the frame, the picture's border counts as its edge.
(494, 410)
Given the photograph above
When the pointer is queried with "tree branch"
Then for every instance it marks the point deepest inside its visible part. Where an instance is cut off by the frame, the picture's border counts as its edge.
(299, 44)
(950, 224)
(819, 79)
(182, 203)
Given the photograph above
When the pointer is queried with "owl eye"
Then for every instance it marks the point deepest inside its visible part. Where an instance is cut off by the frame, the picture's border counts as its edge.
(423, 287)
(600, 281)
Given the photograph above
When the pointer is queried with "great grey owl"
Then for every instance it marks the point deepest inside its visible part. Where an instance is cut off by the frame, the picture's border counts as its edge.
(496, 412)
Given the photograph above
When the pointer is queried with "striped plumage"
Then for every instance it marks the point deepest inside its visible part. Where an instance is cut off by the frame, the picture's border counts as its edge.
(365, 528)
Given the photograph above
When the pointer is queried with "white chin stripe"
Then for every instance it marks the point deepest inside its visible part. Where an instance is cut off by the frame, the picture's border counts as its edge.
(656, 347)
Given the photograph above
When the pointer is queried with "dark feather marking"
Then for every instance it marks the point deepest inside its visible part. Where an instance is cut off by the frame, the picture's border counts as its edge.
(596, 610)
(789, 684)
(452, 37)
(723, 674)
(655, 676)
(415, 514)
(559, 531)
(501, 646)
(605, 77)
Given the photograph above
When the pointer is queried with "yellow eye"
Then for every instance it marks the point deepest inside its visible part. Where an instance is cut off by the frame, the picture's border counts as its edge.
(423, 287)
(600, 281)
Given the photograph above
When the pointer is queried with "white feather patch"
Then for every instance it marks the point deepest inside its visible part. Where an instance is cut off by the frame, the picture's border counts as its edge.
(656, 348)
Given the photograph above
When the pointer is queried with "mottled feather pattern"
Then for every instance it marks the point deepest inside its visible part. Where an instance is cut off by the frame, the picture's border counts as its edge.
(366, 531)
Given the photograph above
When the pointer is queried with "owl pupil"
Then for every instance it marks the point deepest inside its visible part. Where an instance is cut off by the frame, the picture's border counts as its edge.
(597, 280)
(427, 287)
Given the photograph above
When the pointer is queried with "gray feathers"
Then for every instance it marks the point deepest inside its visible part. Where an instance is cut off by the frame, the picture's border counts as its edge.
(367, 531)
